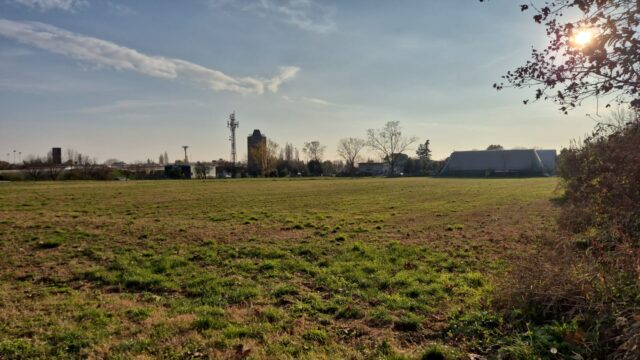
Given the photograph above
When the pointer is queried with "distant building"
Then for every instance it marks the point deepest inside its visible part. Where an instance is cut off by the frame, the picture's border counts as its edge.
(56, 156)
(372, 168)
(178, 171)
(527, 162)
(256, 153)
(201, 170)
(548, 158)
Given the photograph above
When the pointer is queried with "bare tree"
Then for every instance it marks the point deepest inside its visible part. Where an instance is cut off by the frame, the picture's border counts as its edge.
(271, 160)
(349, 149)
(52, 170)
(71, 155)
(338, 166)
(619, 118)
(35, 167)
(314, 150)
(288, 152)
(85, 165)
(201, 170)
(389, 142)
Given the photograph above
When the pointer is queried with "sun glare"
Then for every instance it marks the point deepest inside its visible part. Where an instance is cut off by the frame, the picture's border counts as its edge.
(583, 37)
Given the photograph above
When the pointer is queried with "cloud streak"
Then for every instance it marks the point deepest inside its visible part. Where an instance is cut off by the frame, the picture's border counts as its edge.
(129, 105)
(307, 15)
(46, 5)
(318, 101)
(107, 54)
(120, 9)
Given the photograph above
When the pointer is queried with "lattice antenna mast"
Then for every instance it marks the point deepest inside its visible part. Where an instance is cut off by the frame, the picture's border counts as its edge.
(233, 124)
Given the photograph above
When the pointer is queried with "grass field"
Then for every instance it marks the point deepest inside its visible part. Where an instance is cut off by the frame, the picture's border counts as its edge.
(362, 269)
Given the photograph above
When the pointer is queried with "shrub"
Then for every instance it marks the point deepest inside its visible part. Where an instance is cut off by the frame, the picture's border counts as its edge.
(594, 279)
(602, 183)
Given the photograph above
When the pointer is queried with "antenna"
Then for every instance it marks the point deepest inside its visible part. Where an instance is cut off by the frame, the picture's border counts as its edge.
(233, 124)
(185, 147)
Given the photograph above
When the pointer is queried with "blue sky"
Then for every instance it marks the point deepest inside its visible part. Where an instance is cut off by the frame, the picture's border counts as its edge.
(130, 80)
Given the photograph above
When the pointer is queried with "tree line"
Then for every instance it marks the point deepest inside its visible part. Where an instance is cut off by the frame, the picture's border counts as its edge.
(272, 160)
(388, 143)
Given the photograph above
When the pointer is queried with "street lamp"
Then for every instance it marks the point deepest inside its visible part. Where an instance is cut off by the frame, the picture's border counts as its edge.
(14, 156)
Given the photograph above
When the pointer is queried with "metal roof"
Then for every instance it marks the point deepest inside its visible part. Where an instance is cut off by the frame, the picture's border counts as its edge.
(487, 162)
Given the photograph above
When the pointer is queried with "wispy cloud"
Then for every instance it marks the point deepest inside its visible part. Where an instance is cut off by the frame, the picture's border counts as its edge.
(307, 15)
(46, 5)
(107, 54)
(129, 105)
(120, 9)
(318, 101)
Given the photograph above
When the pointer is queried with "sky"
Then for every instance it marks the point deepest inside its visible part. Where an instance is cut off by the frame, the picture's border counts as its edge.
(132, 79)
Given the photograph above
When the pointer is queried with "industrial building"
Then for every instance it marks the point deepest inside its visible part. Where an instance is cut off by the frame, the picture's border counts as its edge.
(256, 153)
(548, 158)
(526, 162)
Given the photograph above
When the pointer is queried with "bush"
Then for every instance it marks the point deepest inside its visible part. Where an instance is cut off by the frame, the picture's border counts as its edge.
(586, 290)
(602, 183)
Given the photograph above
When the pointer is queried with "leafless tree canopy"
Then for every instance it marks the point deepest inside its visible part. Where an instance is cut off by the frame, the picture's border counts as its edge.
(349, 149)
(35, 167)
(287, 152)
(389, 142)
(314, 150)
(619, 118)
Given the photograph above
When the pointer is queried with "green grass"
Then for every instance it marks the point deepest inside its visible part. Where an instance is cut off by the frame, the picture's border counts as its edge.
(331, 268)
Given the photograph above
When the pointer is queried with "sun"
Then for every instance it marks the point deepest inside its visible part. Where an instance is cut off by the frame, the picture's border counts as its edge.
(583, 37)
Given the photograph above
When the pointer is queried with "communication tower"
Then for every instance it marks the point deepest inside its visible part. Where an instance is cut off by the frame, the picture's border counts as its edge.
(233, 124)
